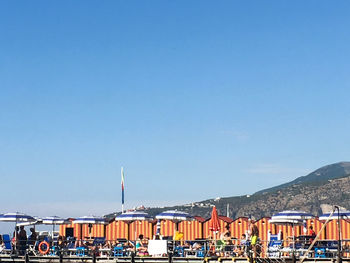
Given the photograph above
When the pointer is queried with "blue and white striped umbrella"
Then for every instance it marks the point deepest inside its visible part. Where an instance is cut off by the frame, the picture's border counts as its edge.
(90, 220)
(133, 216)
(174, 215)
(291, 216)
(342, 215)
(54, 220)
(16, 217)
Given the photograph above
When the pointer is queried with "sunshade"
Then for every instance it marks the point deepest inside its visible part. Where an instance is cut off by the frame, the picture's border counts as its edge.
(90, 220)
(54, 220)
(342, 215)
(131, 216)
(290, 217)
(16, 217)
(174, 215)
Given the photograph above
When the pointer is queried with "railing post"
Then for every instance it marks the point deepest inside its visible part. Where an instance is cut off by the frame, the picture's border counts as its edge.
(26, 258)
(132, 257)
(170, 257)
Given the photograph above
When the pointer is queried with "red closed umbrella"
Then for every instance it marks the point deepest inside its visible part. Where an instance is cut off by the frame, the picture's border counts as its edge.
(214, 224)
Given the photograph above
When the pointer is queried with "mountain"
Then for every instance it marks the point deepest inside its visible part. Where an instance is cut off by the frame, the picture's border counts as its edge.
(321, 175)
(326, 186)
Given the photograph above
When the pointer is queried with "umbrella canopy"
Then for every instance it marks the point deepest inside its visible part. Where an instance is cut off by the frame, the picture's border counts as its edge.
(290, 217)
(16, 217)
(54, 220)
(133, 215)
(342, 215)
(174, 215)
(286, 221)
(214, 224)
(90, 220)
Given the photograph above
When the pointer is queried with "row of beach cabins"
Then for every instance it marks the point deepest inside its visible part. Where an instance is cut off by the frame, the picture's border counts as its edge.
(198, 228)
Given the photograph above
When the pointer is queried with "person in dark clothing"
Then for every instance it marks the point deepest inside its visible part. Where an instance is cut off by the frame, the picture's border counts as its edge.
(33, 237)
(22, 240)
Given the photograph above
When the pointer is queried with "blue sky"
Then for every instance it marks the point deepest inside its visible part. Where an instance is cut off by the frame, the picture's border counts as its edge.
(196, 99)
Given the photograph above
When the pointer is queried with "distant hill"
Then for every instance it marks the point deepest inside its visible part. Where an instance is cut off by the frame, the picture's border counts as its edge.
(321, 175)
(326, 186)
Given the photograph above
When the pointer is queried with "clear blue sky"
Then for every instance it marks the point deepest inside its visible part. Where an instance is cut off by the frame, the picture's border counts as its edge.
(196, 99)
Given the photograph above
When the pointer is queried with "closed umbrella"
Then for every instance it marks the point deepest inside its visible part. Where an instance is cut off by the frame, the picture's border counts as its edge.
(214, 224)
(132, 216)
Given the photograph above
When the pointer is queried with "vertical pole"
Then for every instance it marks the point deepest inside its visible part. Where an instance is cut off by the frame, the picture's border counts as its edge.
(339, 259)
(122, 184)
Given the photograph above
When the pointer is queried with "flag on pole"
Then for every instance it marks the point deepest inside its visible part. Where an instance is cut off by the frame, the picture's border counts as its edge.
(122, 172)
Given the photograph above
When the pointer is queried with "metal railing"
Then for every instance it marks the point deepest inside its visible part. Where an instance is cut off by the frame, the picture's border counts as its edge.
(185, 248)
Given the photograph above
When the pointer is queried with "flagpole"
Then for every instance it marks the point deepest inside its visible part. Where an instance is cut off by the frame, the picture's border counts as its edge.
(122, 183)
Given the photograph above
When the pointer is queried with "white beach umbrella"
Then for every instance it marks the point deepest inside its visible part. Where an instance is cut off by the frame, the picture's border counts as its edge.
(131, 216)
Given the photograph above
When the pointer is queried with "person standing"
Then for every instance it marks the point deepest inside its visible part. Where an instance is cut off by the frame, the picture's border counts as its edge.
(254, 240)
(22, 238)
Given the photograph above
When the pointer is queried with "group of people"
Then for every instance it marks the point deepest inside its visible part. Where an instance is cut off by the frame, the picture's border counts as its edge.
(20, 240)
(229, 246)
(248, 245)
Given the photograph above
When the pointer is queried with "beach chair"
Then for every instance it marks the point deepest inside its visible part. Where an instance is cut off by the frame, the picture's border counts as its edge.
(179, 251)
(200, 253)
(118, 251)
(274, 247)
(54, 251)
(31, 250)
(80, 251)
(70, 248)
(7, 242)
(320, 252)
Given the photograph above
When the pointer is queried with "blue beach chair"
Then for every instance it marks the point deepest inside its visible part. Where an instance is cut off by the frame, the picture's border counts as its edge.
(80, 251)
(118, 251)
(7, 242)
